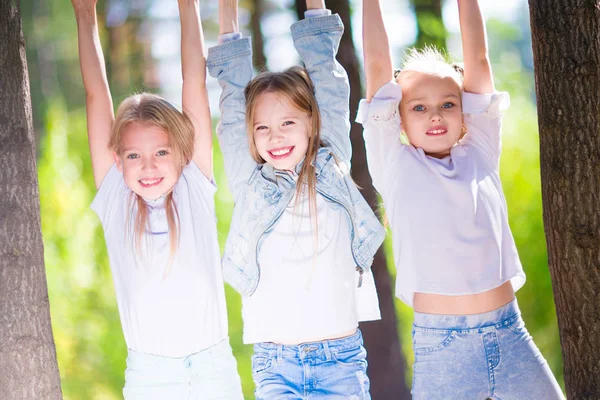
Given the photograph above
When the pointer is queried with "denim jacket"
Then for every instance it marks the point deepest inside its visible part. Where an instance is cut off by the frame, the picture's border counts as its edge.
(261, 192)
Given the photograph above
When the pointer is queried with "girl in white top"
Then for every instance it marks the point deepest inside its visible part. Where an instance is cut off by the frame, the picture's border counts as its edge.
(152, 166)
(300, 229)
(456, 258)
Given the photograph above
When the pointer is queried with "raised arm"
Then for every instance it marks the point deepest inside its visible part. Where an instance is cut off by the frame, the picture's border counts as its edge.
(376, 48)
(317, 40)
(98, 102)
(478, 71)
(195, 95)
(231, 63)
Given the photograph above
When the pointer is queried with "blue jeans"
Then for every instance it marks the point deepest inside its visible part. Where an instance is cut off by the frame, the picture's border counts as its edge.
(209, 374)
(488, 355)
(331, 369)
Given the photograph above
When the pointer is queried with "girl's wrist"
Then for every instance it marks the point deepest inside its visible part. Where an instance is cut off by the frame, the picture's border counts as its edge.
(85, 14)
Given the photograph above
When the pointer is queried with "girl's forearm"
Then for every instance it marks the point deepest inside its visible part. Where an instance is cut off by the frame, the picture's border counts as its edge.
(478, 74)
(315, 4)
(228, 16)
(193, 53)
(376, 48)
(91, 57)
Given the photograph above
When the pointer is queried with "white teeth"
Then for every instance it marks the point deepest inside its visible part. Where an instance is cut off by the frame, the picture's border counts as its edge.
(150, 181)
(437, 131)
(280, 152)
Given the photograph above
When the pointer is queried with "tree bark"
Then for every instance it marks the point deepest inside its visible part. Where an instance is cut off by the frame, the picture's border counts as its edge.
(387, 367)
(566, 48)
(430, 25)
(28, 367)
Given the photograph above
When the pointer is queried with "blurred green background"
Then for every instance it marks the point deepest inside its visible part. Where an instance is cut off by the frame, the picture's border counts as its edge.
(140, 42)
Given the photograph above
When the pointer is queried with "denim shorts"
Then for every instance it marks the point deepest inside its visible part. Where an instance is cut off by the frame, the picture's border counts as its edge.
(209, 374)
(330, 369)
(482, 356)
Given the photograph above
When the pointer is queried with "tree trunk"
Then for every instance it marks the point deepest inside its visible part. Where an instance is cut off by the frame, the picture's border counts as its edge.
(387, 368)
(566, 48)
(28, 367)
(258, 47)
(430, 25)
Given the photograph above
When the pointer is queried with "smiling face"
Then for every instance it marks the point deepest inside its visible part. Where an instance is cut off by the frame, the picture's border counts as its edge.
(280, 131)
(146, 160)
(431, 112)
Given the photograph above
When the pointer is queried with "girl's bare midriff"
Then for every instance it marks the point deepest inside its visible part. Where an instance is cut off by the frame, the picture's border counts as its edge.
(464, 304)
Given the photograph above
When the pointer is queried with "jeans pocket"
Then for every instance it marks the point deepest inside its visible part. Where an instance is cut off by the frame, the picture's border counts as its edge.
(430, 340)
(261, 364)
(354, 357)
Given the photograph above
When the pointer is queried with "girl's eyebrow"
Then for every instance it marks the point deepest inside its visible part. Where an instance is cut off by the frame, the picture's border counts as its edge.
(448, 95)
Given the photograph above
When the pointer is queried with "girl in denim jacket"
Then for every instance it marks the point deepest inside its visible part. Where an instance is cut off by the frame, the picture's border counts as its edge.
(302, 238)
(152, 166)
(456, 258)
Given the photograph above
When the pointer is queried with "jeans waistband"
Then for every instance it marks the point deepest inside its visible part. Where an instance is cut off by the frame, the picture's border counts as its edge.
(497, 317)
(138, 360)
(318, 349)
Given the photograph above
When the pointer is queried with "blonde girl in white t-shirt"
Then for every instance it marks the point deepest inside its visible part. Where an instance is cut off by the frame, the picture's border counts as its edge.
(152, 166)
(457, 262)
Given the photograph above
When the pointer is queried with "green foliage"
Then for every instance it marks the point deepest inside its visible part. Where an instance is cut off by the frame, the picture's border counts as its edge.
(430, 25)
(85, 320)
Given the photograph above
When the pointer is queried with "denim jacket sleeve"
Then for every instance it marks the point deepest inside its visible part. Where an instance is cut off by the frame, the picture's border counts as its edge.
(231, 64)
(317, 40)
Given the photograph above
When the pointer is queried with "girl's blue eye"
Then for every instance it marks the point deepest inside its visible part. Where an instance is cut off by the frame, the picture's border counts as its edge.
(162, 153)
(286, 123)
(448, 105)
(132, 156)
(419, 108)
(260, 128)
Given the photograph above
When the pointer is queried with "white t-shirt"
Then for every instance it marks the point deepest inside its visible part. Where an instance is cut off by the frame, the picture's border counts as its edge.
(184, 311)
(301, 298)
(448, 216)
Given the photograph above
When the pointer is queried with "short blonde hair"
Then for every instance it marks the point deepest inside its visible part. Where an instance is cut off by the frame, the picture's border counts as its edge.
(430, 61)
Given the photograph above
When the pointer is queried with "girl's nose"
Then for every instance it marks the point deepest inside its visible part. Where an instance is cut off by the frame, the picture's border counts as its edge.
(435, 117)
(148, 164)
(276, 136)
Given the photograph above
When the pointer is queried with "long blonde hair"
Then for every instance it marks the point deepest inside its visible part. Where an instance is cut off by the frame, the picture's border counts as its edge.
(153, 110)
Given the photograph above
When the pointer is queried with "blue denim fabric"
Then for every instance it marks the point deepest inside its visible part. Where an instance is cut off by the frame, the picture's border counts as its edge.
(489, 355)
(262, 193)
(331, 369)
(208, 375)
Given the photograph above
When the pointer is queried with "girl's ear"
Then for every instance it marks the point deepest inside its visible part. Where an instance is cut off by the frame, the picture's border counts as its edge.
(463, 130)
(118, 161)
